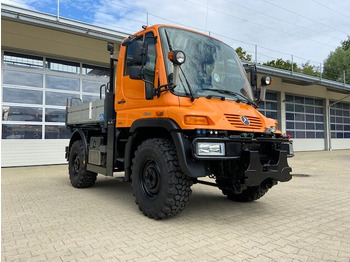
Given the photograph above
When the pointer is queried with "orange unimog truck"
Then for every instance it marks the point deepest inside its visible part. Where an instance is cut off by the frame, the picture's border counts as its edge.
(178, 107)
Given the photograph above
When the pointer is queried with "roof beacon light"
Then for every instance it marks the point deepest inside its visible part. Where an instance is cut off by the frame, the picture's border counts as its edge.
(266, 81)
(177, 57)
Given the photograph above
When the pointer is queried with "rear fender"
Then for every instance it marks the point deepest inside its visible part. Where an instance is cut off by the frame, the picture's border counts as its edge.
(78, 134)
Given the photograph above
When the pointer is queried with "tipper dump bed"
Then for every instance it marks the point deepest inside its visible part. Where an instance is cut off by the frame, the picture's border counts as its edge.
(86, 113)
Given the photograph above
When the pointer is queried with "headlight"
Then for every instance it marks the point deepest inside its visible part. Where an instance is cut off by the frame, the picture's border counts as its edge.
(210, 149)
(270, 130)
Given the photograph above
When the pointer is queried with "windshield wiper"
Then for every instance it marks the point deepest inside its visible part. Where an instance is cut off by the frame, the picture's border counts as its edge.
(222, 98)
(233, 93)
(188, 85)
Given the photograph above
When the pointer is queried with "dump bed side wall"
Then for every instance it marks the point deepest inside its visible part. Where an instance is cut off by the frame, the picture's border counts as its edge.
(86, 113)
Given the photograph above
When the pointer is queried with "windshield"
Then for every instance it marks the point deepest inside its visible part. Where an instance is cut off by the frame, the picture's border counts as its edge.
(212, 68)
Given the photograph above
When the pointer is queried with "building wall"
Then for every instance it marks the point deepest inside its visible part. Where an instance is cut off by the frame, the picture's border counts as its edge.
(53, 43)
(317, 92)
(45, 43)
(23, 152)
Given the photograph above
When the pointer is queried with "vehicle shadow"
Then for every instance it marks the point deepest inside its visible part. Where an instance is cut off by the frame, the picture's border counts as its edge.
(206, 203)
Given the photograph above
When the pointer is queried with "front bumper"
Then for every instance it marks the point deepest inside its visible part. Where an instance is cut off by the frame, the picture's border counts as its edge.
(233, 147)
(257, 158)
(265, 158)
(256, 172)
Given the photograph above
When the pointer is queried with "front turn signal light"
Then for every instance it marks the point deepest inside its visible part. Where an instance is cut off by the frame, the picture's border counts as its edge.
(196, 120)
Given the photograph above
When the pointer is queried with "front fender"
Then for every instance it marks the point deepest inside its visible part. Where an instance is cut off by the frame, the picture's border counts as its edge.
(170, 128)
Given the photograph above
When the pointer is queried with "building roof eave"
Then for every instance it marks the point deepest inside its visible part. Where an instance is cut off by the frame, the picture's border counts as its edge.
(23, 15)
(302, 79)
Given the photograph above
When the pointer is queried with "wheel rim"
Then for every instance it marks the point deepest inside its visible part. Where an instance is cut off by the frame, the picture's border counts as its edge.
(76, 164)
(150, 178)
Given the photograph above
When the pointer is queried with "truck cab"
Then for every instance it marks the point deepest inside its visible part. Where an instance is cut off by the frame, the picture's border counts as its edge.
(178, 107)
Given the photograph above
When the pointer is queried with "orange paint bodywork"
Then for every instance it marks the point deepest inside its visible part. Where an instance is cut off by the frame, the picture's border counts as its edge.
(131, 105)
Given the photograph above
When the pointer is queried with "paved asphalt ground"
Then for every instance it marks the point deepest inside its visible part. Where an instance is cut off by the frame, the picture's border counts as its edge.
(43, 218)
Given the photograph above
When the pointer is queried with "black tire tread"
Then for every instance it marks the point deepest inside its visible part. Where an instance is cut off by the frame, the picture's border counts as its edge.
(248, 195)
(179, 187)
(84, 178)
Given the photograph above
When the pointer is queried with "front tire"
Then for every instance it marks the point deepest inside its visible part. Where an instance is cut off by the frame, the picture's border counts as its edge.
(249, 194)
(161, 189)
(78, 175)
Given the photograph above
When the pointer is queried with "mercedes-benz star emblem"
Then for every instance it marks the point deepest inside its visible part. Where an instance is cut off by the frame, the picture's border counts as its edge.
(245, 120)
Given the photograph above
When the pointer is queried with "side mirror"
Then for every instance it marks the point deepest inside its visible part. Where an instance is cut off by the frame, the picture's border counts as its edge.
(136, 72)
(128, 40)
(140, 52)
(253, 77)
(139, 60)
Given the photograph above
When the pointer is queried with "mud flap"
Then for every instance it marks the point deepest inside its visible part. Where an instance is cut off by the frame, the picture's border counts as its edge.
(256, 173)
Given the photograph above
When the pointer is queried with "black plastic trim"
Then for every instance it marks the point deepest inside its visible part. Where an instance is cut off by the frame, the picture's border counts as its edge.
(234, 145)
(257, 173)
(79, 133)
(166, 123)
(189, 166)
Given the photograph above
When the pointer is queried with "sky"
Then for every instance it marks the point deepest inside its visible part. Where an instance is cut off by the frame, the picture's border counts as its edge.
(302, 30)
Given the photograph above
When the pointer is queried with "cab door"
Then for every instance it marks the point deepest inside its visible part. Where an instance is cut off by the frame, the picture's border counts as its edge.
(133, 96)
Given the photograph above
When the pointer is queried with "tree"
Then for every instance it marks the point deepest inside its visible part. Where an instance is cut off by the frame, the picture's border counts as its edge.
(243, 54)
(287, 65)
(337, 62)
(346, 44)
(280, 63)
(308, 69)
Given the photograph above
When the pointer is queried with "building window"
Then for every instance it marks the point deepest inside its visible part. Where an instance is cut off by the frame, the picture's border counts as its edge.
(25, 61)
(23, 96)
(21, 131)
(35, 91)
(340, 120)
(20, 78)
(304, 117)
(62, 83)
(55, 115)
(19, 113)
(269, 107)
(95, 71)
(62, 66)
(56, 132)
(58, 98)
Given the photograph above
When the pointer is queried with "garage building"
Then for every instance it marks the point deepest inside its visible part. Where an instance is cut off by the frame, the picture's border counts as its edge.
(45, 60)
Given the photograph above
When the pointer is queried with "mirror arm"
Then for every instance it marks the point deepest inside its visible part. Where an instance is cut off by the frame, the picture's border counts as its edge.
(262, 97)
(167, 87)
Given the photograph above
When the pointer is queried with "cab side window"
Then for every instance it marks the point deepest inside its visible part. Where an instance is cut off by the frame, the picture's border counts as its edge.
(149, 68)
(129, 57)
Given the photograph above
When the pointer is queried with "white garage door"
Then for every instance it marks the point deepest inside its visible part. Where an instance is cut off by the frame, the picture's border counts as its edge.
(305, 122)
(34, 94)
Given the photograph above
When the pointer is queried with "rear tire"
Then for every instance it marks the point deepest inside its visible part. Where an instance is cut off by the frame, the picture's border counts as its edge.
(160, 188)
(78, 175)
